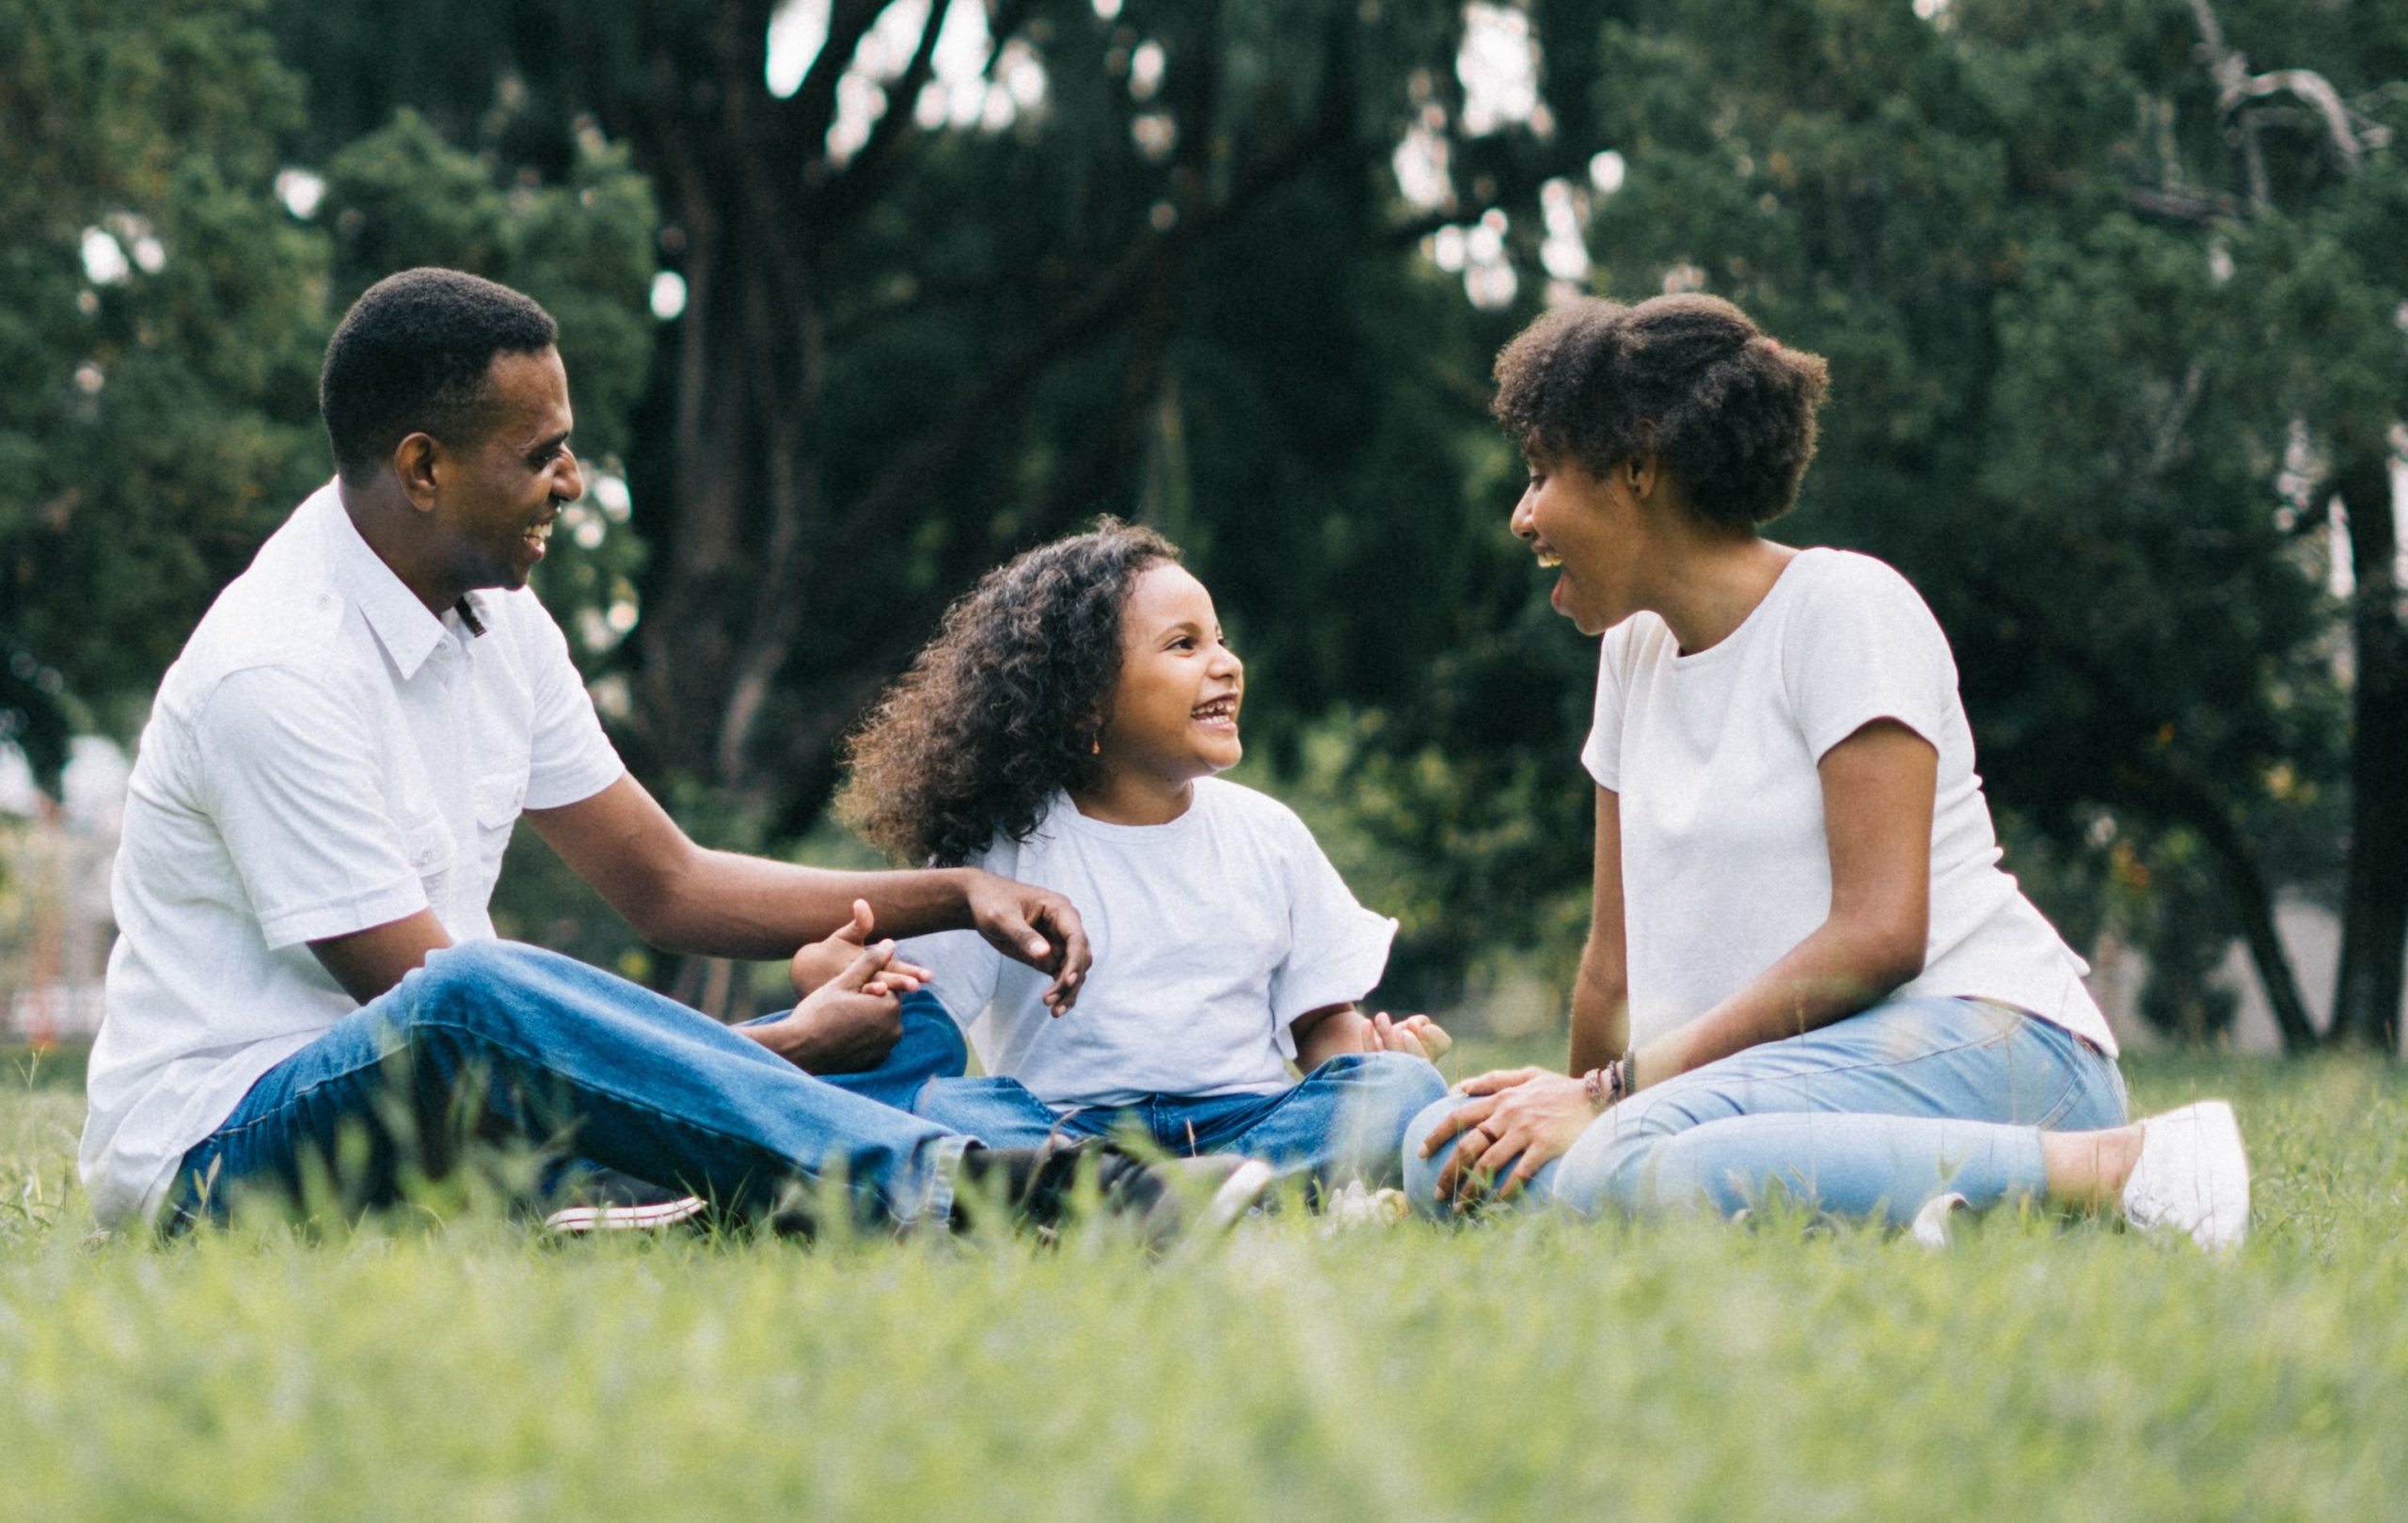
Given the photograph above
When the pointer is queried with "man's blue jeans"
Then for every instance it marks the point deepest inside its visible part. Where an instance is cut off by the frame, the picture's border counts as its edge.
(510, 1042)
(1869, 1116)
(1343, 1122)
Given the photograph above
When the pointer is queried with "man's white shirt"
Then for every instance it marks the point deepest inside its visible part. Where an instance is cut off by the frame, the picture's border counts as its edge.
(325, 755)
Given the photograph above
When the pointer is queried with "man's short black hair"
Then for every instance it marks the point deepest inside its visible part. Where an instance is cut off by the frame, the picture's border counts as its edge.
(412, 356)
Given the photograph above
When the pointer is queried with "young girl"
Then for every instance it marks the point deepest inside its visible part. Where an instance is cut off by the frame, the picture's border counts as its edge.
(1063, 729)
(1806, 971)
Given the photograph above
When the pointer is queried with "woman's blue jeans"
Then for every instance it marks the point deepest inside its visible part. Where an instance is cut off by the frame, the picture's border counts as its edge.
(1867, 1117)
(506, 1043)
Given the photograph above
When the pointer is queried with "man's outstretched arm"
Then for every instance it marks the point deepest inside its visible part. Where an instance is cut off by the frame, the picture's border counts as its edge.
(684, 898)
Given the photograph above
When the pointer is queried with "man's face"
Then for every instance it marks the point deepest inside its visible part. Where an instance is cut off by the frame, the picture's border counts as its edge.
(498, 495)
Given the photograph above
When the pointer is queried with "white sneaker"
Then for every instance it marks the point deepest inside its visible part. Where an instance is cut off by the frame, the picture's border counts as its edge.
(1930, 1227)
(2192, 1176)
(1354, 1206)
(625, 1215)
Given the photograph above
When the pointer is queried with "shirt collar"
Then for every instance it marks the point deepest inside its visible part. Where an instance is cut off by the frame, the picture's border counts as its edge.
(401, 622)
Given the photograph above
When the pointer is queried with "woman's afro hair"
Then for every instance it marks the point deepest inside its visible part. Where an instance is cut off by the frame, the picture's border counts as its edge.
(1689, 379)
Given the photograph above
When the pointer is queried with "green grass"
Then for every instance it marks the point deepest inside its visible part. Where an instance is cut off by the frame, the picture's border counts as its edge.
(460, 1369)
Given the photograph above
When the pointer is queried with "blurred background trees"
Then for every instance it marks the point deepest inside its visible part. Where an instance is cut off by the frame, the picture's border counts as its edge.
(860, 297)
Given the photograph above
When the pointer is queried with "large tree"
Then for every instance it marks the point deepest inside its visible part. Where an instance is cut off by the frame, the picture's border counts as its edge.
(1169, 268)
(158, 333)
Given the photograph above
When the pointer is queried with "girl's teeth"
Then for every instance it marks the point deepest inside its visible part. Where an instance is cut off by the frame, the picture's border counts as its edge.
(1549, 559)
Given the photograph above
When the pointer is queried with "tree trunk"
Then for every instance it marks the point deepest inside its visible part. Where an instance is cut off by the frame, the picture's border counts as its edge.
(2252, 899)
(2374, 913)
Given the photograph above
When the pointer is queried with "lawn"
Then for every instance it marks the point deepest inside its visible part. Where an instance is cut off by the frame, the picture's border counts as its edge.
(457, 1368)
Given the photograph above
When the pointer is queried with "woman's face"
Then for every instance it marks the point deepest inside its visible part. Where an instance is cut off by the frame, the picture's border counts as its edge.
(1589, 528)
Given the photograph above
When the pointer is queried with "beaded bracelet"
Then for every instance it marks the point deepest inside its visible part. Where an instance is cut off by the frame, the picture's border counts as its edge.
(1608, 1085)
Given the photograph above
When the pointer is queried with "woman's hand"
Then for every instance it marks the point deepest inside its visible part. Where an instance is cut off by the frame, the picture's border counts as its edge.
(1524, 1117)
(825, 960)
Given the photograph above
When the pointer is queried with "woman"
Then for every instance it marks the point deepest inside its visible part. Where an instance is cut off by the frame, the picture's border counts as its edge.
(1806, 975)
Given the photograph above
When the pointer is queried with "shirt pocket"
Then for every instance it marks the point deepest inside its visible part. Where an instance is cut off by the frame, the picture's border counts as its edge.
(497, 797)
(432, 851)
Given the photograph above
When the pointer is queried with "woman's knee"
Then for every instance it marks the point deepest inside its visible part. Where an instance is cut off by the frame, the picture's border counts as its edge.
(1607, 1167)
(1421, 1173)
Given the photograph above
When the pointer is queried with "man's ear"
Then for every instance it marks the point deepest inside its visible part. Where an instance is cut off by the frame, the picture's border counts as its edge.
(417, 463)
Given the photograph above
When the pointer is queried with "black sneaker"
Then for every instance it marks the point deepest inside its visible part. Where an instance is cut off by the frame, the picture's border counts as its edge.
(1167, 1200)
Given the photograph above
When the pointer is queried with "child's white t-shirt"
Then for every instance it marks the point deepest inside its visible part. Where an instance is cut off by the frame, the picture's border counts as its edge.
(1724, 863)
(1212, 934)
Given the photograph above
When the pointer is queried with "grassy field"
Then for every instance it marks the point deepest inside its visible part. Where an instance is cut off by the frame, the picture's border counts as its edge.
(461, 1369)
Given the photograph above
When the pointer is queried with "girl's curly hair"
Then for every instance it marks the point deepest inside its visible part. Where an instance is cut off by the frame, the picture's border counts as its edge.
(1687, 378)
(1002, 709)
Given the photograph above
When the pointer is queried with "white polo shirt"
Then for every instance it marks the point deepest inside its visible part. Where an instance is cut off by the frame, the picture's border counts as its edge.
(325, 755)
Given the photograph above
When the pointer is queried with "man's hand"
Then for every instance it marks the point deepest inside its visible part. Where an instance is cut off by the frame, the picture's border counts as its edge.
(1036, 927)
(1522, 1116)
(841, 1026)
(821, 961)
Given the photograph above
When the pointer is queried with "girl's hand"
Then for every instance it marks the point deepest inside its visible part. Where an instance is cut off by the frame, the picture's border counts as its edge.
(823, 961)
(849, 1024)
(1416, 1034)
(1524, 1117)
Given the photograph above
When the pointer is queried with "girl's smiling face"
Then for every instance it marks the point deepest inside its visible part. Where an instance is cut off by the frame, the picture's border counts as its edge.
(1174, 715)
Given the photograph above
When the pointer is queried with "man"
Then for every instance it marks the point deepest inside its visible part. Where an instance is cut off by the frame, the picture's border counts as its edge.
(318, 814)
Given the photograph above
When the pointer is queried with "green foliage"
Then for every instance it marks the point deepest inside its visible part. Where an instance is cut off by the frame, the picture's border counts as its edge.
(144, 448)
(428, 1366)
(161, 420)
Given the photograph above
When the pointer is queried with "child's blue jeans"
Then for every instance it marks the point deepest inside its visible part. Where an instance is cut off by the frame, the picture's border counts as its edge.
(1343, 1121)
(1869, 1116)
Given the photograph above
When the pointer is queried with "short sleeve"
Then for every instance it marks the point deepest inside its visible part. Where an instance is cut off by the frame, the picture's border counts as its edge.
(1601, 753)
(1336, 949)
(1864, 646)
(291, 774)
(571, 759)
(964, 967)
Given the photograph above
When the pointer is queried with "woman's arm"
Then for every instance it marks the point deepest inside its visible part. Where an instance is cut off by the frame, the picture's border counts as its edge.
(1877, 798)
(1878, 786)
(1601, 994)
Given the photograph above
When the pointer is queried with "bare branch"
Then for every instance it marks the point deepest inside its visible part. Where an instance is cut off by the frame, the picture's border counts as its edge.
(841, 196)
(2236, 86)
(2185, 206)
(2318, 93)
(804, 117)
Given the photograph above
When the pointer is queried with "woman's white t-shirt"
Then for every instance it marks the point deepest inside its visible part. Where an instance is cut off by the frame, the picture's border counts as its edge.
(1212, 934)
(1725, 868)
